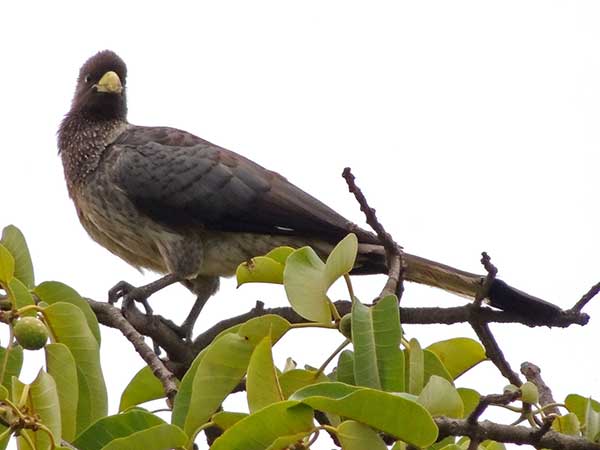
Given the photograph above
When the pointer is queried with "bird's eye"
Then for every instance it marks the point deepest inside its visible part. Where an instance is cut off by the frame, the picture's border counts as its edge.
(87, 78)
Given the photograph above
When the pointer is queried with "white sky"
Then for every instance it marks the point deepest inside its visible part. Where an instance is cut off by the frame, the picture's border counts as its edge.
(470, 125)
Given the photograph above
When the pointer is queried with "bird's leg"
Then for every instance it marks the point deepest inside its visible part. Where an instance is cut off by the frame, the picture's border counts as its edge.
(204, 288)
(140, 294)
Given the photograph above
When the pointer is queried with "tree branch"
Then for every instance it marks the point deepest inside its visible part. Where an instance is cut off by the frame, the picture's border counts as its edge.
(594, 290)
(393, 251)
(113, 317)
(512, 434)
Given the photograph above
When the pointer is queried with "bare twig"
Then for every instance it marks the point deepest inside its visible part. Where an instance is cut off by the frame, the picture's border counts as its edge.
(594, 290)
(493, 399)
(153, 327)
(493, 351)
(115, 318)
(393, 251)
(491, 270)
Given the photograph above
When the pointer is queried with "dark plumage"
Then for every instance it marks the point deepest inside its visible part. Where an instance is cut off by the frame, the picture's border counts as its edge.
(166, 200)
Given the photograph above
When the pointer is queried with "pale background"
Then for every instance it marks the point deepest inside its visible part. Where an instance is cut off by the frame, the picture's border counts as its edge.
(470, 125)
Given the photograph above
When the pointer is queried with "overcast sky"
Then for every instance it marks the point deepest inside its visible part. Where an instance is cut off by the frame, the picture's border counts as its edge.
(470, 125)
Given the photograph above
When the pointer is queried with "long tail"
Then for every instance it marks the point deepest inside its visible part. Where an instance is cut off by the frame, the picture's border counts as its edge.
(371, 259)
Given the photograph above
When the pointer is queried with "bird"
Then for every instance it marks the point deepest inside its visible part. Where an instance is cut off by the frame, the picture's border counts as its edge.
(166, 200)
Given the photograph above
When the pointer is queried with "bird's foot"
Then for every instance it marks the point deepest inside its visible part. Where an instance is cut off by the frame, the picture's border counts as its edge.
(139, 294)
(130, 294)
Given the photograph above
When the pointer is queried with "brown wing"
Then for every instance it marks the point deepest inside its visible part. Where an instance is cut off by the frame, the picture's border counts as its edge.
(182, 180)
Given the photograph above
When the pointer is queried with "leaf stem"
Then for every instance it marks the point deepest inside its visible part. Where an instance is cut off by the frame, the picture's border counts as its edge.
(334, 311)
(49, 433)
(330, 358)
(27, 308)
(349, 286)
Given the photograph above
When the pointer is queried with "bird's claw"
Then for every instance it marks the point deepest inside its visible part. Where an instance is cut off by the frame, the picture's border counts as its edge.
(129, 294)
(119, 290)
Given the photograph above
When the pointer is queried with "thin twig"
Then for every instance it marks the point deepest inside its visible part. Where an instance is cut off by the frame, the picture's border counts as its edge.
(594, 290)
(493, 399)
(393, 251)
(116, 319)
(493, 351)
(491, 270)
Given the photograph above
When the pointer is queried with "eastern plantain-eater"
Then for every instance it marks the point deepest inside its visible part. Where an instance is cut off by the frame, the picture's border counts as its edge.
(165, 200)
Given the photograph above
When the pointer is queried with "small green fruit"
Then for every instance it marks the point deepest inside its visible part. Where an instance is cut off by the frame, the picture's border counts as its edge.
(345, 326)
(30, 333)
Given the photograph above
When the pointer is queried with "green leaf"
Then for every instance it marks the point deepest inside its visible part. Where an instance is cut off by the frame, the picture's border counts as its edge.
(492, 445)
(143, 387)
(567, 424)
(219, 372)
(356, 436)
(578, 405)
(459, 354)
(295, 379)
(253, 330)
(262, 387)
(13, 367)
(341, 259)
(45, 403)
(21, 296)
(280, 254)
(7, 266)
(416, 371)
(432, 365)
(264, 269)
(53, 291)
(15, 243)
(305, 285)
(529, 393)
(107, 429)
(283, 422)
(344, 371)
(592, 422)
(259, 269)
(69, 327)
(224, 364)
(402, 418)
(470, 399)
(60, 364)
(3, 393)
(441, 398)
(160, 437)
(226, 419)
(268, 325)
(376, 335)
(181, 403)
(6, 439)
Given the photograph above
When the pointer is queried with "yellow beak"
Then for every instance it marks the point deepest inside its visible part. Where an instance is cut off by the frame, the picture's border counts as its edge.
(110, 83)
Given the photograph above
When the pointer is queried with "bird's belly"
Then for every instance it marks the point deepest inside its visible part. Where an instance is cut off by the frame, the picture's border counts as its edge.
(112, 221)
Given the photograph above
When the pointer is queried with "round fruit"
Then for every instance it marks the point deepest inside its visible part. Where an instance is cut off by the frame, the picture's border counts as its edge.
(30, 333)
(345, 326)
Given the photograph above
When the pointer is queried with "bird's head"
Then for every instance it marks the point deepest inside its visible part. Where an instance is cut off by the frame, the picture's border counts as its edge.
(100, 91)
